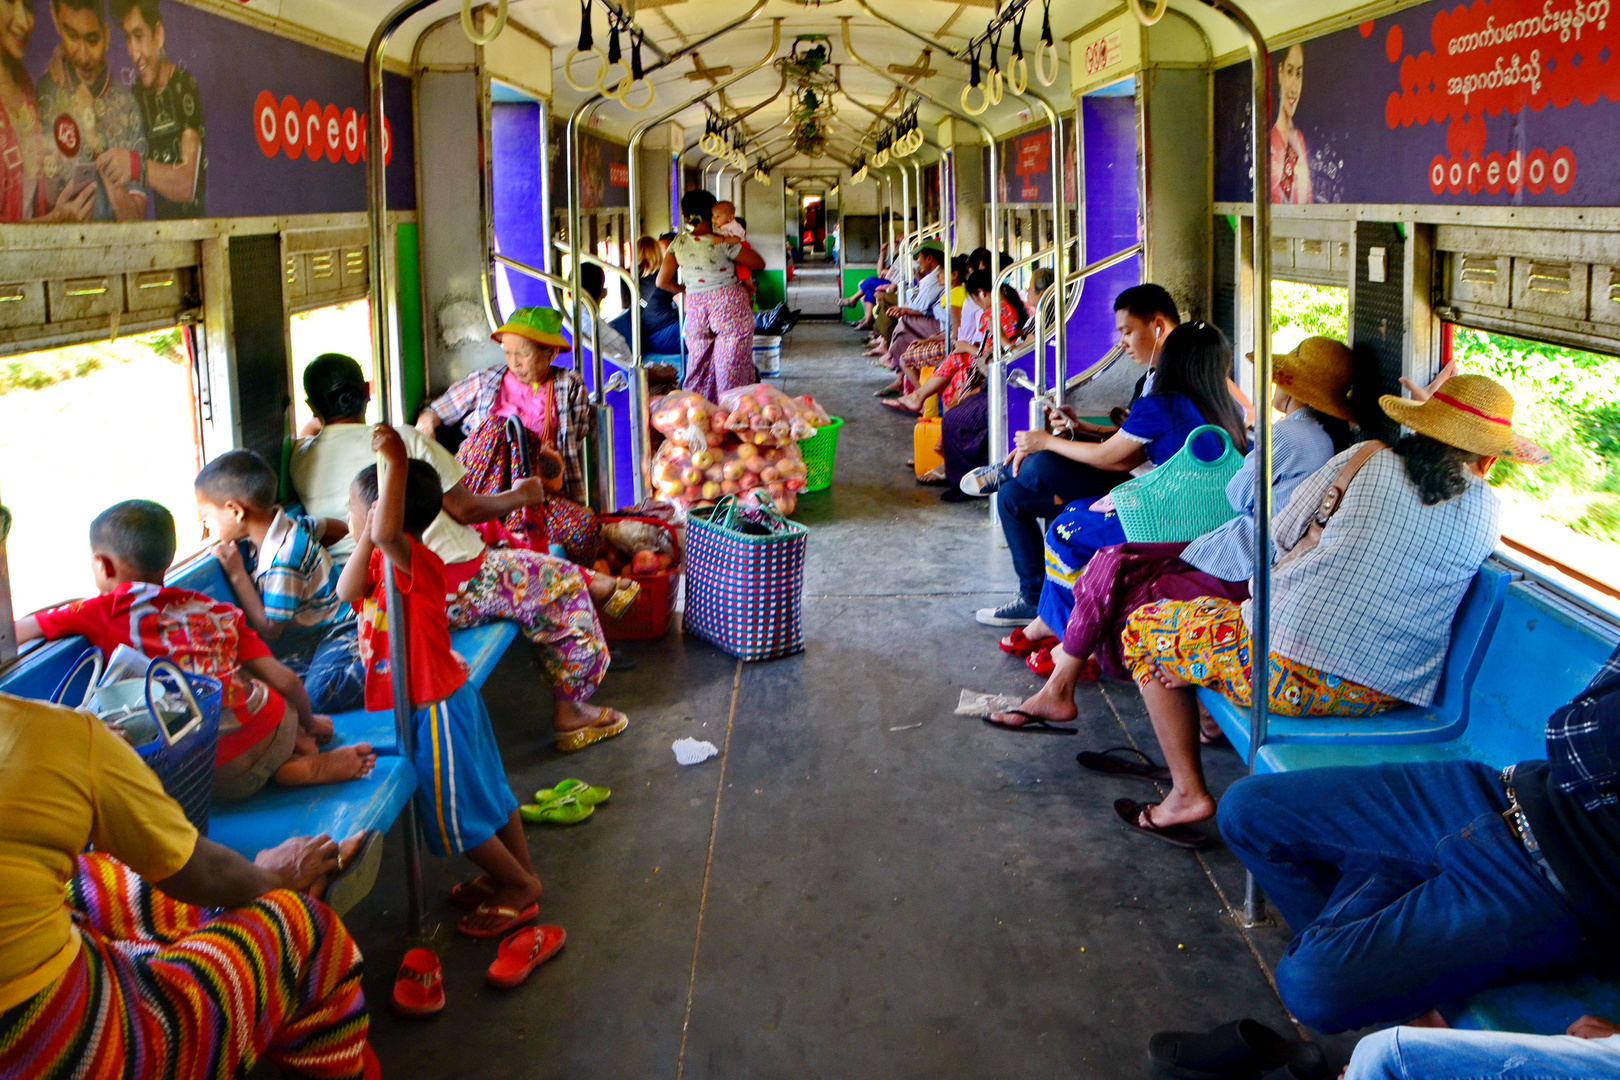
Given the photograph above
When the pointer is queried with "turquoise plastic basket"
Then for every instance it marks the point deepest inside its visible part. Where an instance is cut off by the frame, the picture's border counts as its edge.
(1182, 499)
(819, 451)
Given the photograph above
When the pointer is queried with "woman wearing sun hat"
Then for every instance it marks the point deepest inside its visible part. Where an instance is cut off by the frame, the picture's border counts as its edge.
(1315, 385)
(1362, 594)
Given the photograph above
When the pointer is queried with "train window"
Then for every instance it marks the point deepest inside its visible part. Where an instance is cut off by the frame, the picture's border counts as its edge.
(1566, 512)
(84, 427)
(343, 328)
(1299, 311)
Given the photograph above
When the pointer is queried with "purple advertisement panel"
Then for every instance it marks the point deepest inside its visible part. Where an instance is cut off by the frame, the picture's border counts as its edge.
(1024, 163)
(144, 109)
(604, 172)
(1493, 103)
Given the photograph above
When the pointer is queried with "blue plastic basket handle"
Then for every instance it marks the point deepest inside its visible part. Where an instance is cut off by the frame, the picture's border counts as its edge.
(97, 663)
(169, 667)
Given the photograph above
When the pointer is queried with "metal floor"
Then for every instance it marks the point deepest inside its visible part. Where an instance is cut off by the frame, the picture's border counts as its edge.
(862, 885)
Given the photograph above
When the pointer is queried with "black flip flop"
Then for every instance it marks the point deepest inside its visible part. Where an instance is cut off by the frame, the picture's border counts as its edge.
(1236, 1050)
(1182, 836)
(1107, 763)
(1033, 725)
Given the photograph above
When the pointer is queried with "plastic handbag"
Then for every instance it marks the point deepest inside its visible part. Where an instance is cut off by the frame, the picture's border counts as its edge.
(1182, 499)
(745, 580)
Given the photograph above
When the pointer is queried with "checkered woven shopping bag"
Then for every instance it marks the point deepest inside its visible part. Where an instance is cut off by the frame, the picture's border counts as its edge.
(745, 580)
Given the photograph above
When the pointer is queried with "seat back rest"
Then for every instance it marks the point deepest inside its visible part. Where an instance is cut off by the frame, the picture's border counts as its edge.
(202, 574)
(1471, 629)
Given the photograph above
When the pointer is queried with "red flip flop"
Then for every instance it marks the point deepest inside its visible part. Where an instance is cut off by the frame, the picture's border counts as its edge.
(511, 919)
(1018, 644)
(419, 986)
(370, 1067)
(1040, 661)
(469, 894)
(524, 951)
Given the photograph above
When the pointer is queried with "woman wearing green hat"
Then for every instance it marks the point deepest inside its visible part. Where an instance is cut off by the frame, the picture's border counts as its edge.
(553, 410)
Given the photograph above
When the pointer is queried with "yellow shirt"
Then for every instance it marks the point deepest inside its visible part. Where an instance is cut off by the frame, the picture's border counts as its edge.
(66, 781)
(958, 296)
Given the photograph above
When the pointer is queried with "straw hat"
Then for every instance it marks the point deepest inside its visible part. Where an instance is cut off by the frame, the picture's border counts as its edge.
(1319, 372)
(1470, 412)
(541, 325)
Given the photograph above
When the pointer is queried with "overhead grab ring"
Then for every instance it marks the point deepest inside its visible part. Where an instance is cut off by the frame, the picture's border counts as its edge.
(620, 87)
(1018, 75)
(652, 94)
(1141, 14)
(994, 86)
(500, 23)
(984, 100)
(568, 70)
(1048, 47)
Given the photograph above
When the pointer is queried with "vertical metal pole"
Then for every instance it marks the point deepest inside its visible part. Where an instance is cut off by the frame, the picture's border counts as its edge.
(383, 357)
(997, 382)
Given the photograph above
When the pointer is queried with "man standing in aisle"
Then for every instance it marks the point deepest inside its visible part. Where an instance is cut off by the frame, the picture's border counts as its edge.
(171, 108)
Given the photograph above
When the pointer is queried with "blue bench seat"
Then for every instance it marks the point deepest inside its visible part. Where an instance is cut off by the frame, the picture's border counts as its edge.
(338, 810)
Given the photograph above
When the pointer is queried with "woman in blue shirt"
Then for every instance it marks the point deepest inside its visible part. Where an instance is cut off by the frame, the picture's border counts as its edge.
(1190, 389)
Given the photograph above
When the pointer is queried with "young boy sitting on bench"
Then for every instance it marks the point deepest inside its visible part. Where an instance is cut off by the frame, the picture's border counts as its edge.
(283, 578)
(131, 546)
(465, 804)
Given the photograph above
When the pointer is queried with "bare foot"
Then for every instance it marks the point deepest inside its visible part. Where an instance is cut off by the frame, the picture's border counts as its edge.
(514, 896)
(572, 717)
(469, 894)
(347, 849)
(332, 767)
(1044, 704)
(1180, 809)
(1038, 630)
(1169, 679)
(322, 729)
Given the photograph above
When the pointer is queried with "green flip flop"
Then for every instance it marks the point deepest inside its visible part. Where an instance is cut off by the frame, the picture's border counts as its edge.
(578, 789)
(564, 811)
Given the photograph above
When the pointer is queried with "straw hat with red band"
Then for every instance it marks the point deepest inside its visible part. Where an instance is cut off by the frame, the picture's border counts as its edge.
(1470, 412)
(541, 325)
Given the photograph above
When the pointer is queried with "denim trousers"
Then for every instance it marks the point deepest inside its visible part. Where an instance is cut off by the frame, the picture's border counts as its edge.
(1405, 1053)
(1405, 889)
(333, 674)
(1044, 484)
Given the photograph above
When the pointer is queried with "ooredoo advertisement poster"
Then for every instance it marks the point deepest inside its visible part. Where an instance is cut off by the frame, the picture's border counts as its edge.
(1497, 102)
(127, 110)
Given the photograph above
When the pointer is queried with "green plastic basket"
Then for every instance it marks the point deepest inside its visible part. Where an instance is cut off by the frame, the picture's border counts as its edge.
(819, 451)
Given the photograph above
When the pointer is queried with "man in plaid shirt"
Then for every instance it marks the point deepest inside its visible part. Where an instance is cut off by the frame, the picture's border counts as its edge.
(1413, 885)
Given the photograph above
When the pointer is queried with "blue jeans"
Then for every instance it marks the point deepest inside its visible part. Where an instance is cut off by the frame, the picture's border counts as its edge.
(1432, 1054)
(334, 676)
(1045, 482)
(664, 341)
(1404, 887)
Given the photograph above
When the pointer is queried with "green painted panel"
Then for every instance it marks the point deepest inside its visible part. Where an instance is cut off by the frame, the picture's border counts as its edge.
(412, 355)
(772, 288)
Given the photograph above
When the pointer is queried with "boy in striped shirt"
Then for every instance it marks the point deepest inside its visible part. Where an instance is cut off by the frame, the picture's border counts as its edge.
(283, 579)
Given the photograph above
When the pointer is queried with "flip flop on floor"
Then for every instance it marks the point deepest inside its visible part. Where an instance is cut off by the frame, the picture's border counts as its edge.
(609, 724)
(1238, 1048)
(888, 393)
(1017, 643)
(1032, 725)
(524, 951)
(564, 811)
(1040, 662)
(1134, 814)
(511, 919)
(1117, 761)
(589, 794)
(355, 878)
(419, 986)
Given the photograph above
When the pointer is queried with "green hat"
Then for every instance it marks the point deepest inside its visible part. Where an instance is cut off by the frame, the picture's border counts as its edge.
(932, 247)
(541, 325)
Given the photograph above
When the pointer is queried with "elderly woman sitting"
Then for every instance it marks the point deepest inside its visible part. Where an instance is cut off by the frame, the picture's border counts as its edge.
(161, 947)
(517, 416)
(549, 598)
(1361, 605)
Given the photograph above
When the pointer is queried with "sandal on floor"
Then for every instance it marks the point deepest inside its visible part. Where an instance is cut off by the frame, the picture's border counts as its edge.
(564, 811)
(419, 986)
(469, 894)
(1134, 814)
(1238, 1048)
(1032, 725)
(622, 598)
(1118, 761)
(609, 724)
(524, 951)
(1040, 661)
(888, 393)
(1017, 643)
(354, 879)
(511, 919)
(587, 794)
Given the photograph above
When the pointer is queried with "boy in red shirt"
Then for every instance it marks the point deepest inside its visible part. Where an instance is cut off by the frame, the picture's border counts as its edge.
(131, 546)
(463, 799)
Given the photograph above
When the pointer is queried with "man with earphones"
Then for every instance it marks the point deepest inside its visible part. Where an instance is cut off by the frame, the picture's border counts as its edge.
(1035, 489)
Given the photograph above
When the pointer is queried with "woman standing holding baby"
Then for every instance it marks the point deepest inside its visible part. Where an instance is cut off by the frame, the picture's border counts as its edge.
(719, 316)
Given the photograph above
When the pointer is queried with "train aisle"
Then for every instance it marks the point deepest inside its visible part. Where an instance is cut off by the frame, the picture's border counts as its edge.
(862, 885)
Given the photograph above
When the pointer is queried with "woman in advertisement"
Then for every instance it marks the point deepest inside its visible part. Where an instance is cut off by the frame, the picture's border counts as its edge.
(25, 193)
(1290, 161)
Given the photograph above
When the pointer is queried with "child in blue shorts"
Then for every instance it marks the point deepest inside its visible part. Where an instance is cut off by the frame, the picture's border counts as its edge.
(463, 800)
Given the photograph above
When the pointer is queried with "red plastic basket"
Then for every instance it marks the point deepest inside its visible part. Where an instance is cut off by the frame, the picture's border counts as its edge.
(648, 618)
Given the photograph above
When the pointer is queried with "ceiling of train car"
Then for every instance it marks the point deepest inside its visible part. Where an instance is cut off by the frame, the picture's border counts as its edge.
(859, 95)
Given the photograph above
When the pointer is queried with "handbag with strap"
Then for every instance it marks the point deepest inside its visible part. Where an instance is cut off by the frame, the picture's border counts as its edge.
(1182, 499)
(1331, 500)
